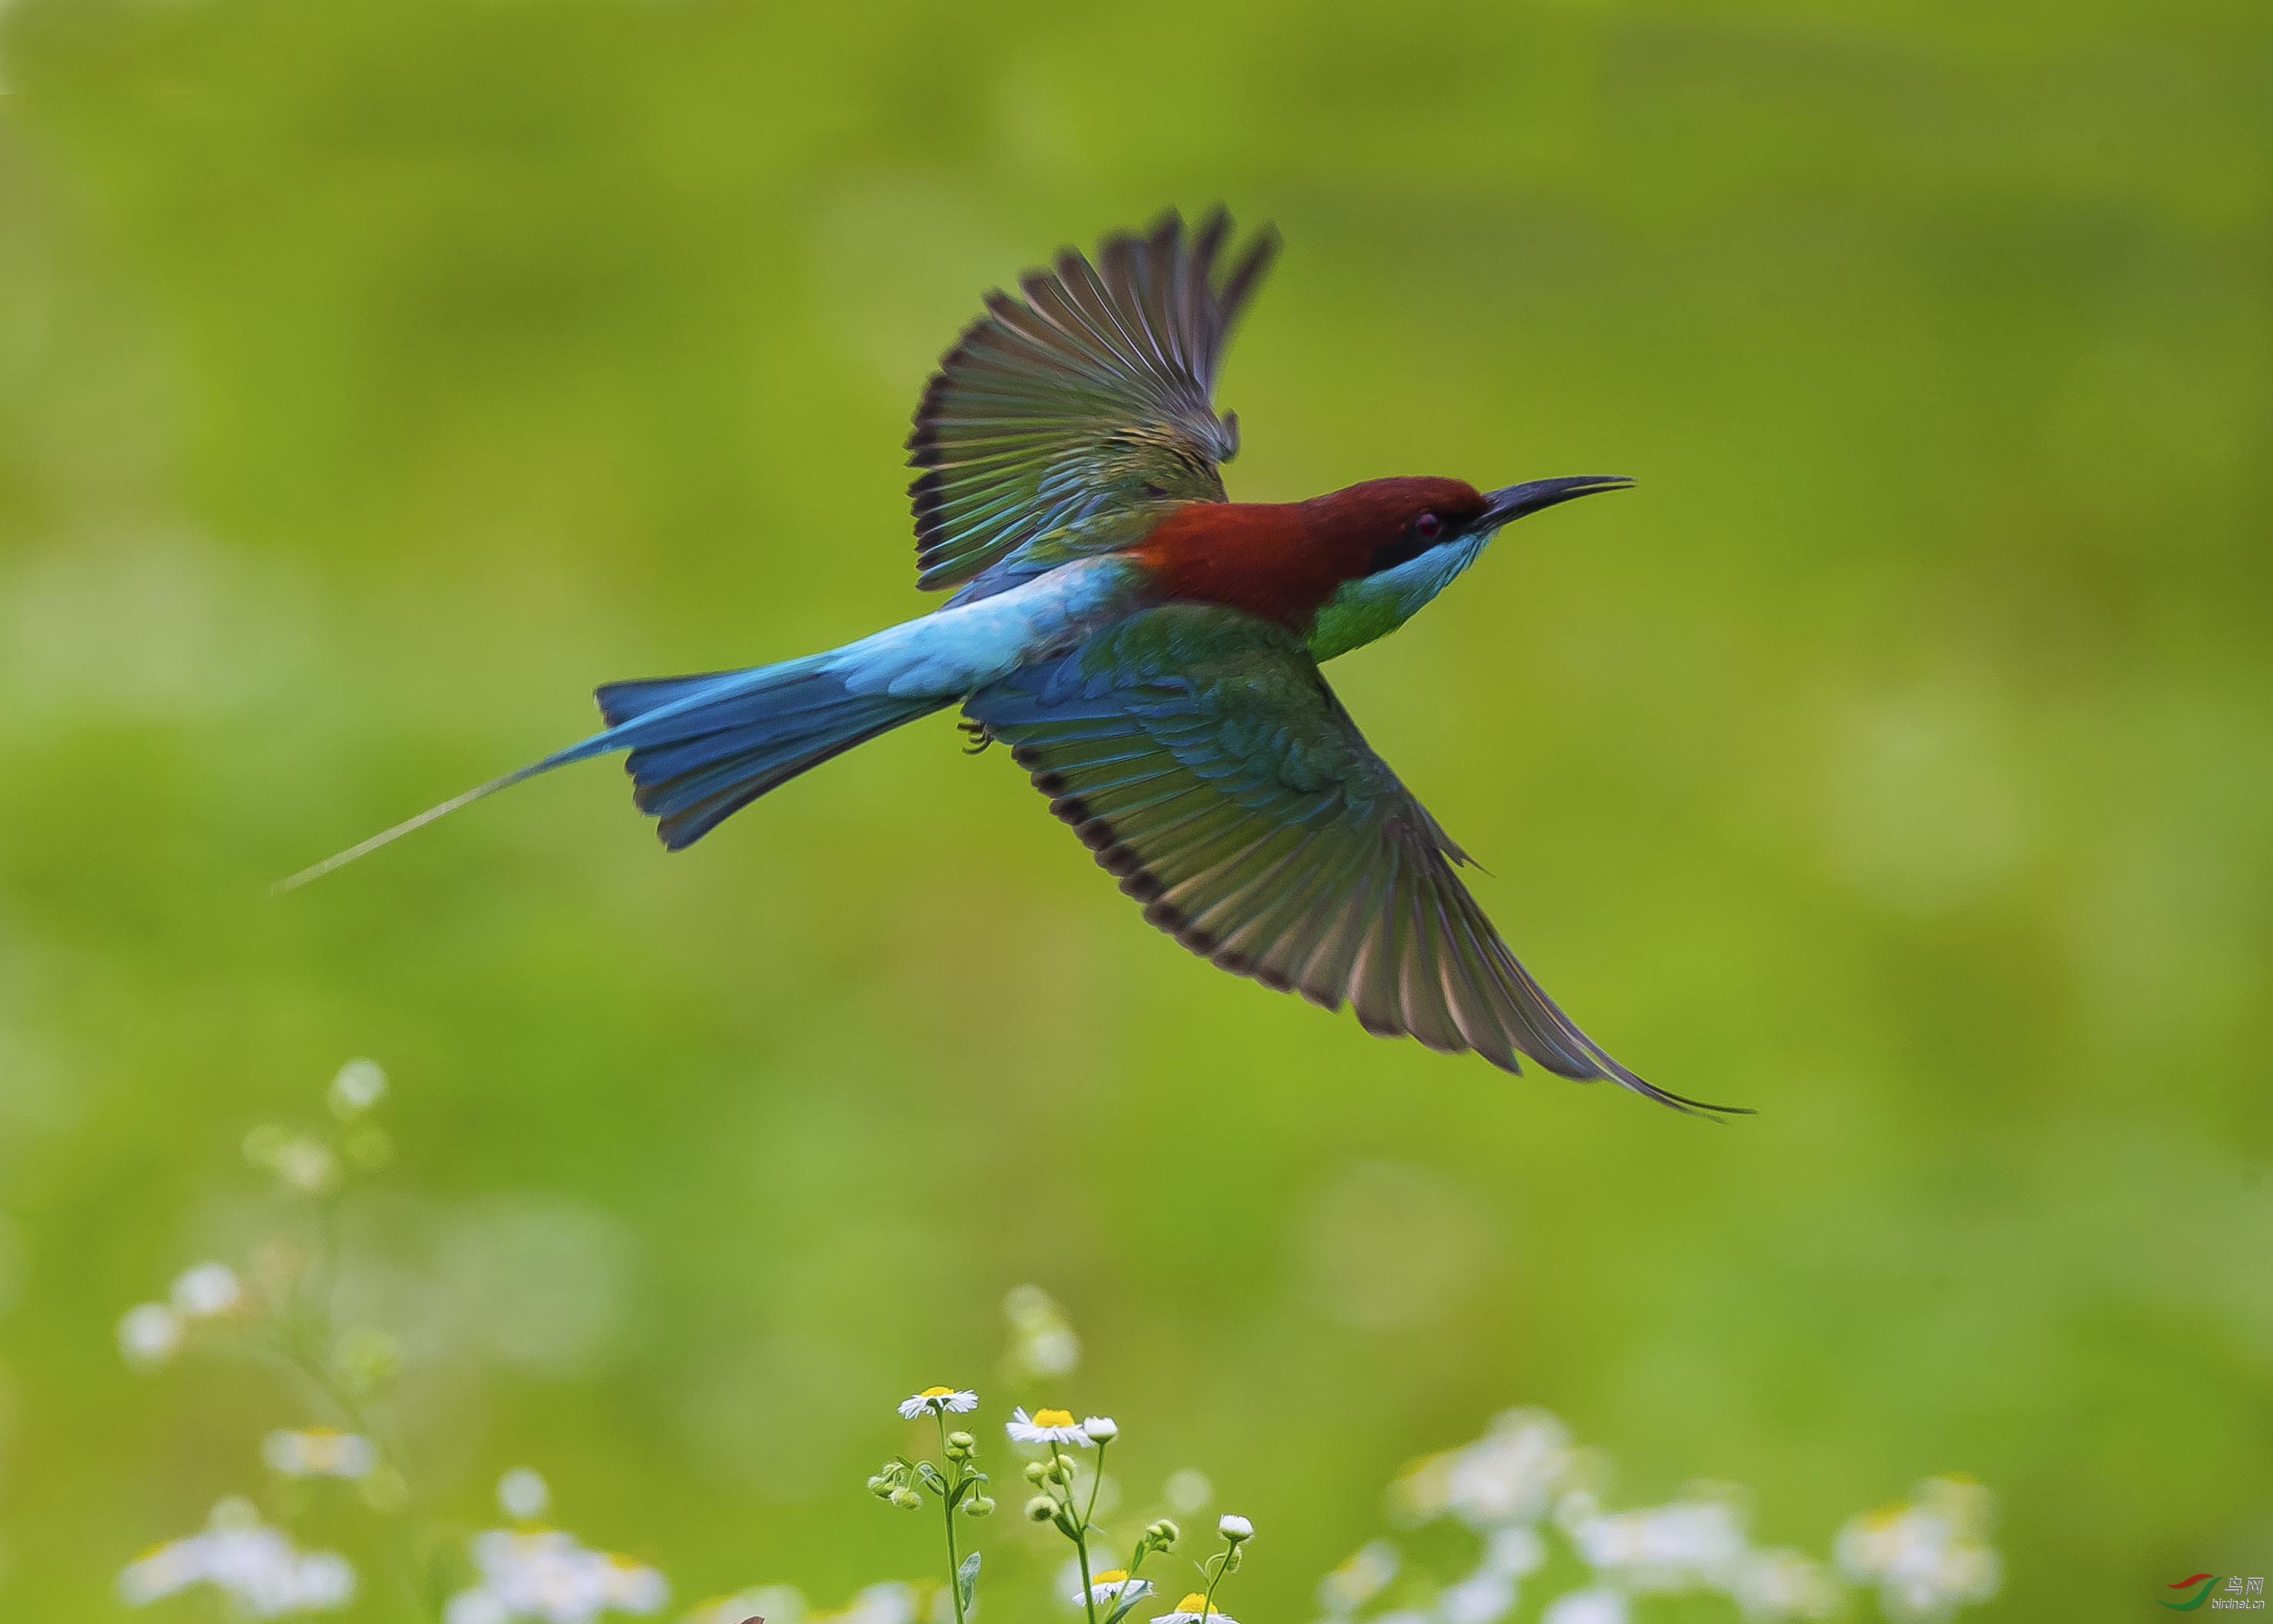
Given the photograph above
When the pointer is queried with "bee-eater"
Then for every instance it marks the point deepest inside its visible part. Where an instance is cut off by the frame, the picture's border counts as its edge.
(1149, 649)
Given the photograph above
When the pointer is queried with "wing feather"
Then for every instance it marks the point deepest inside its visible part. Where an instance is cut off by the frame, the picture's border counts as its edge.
(1203, 760)
(1086, 393)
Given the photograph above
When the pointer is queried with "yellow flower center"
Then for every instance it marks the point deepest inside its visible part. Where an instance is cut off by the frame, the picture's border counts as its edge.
(1053, 1418)
(1193, 1603)
(1111, 1576)
(936, 1392)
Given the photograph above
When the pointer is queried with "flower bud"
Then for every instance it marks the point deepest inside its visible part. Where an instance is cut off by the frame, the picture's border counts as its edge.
(1057, 1471)
(1164, 1534)
(1101, 1429)
(881, 1487)
(978, 1506)
(1234, 1528)
(1036, 1470)
(961, 1443)
(1041, 1509)
(906, 1499)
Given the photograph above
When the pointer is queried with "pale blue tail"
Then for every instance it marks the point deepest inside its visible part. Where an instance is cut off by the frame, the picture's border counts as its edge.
(702, 748)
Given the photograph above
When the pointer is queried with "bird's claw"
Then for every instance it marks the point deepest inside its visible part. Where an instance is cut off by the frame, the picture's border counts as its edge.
(981, 736)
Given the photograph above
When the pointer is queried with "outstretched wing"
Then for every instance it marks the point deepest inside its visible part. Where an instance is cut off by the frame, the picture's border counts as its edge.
(1202, 757)
(1094, 391)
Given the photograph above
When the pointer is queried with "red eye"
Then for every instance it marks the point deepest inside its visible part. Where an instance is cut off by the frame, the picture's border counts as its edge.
(1428, 527)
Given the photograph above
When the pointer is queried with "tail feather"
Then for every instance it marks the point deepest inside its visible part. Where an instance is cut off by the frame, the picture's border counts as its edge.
(690, 787)
(701, 748)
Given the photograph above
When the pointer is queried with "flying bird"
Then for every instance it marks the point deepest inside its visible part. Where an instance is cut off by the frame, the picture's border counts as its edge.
(1149, 650)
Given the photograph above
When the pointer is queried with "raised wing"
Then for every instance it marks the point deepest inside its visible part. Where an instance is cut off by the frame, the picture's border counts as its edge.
(1094, 391)
(1200, 755)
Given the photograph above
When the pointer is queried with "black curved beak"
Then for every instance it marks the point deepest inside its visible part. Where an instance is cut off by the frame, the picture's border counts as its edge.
(1513, 502)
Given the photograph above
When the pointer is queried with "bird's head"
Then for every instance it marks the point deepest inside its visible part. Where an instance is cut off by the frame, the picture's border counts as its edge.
(1387, 524)
(1399, 542)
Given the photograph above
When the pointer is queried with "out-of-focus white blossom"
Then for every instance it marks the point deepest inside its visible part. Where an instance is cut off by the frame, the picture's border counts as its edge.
(890, 1602)
(1929, 1558)
(299, 1161)
(1509, 1475)
(1042, 1343)
(1515, 1550)
(319, 1452)
(359, 1085)
(1597, 1605)
(1362, 1576)
(308, 1165)
(1046, 1426)
(545, 1576)
(939, 1401)
(1785, 1584)
(1685, 1545)
(257, 1567)
(522, 1495)
(149, 1334)
(206, 1291)
(1188, 1491)
(776, 1604)
(1482, 1597)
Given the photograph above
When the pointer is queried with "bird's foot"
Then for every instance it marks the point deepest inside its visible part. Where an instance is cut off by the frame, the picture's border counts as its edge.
(981, 736)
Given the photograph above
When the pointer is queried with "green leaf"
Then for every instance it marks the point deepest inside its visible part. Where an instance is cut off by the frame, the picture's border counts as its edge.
(967, 1580)
(928, 1475)
(1129, 1596)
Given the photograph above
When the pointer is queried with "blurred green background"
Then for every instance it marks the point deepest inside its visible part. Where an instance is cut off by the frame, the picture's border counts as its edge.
(377, 376)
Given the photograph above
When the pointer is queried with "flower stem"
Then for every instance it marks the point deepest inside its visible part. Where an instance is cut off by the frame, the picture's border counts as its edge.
(954, 1562)
(1222, 1565)
(1081, 1534)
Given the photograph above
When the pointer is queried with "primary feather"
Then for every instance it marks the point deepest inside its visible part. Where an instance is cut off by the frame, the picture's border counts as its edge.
(1200, 755)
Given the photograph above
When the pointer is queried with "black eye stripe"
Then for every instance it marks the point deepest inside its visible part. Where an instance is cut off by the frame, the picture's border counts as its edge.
(1404, 550)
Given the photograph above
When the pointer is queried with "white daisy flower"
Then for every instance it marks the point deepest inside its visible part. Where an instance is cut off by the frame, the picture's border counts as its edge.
(357, 1087)
(890, 1602)
(776, 1604)
(547, 1574)
(1112, 1584)
(1482, 1597)
(257, 1567)
(149, 1334)
(938, 1401)
(1785, 1584)
(1677, 1547)
(1596, 1605)
(1046, 1426)
(307, 1165)
(206, 1291)
(1359, 1580)
(1194, 1609)
(1929, 1558)
(1188, 1491)
(1100, 1429)
(319, 1452)
(523, 1494)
